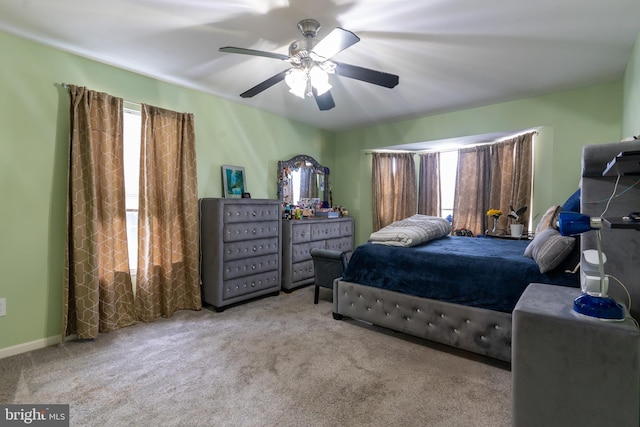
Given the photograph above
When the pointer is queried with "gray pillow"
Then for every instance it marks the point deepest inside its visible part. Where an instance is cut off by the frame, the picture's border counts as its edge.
(549, 249)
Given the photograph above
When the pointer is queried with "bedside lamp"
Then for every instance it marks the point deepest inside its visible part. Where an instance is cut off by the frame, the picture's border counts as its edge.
(594, 302)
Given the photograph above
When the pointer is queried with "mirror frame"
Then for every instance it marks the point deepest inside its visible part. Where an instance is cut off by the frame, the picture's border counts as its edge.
(294, 164)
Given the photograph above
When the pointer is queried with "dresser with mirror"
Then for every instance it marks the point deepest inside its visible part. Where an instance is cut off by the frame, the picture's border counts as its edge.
(302, 177)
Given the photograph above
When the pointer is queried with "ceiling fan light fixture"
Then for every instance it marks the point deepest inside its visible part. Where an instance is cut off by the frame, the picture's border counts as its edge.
(319, 80)
(301, 81)
(296, 79)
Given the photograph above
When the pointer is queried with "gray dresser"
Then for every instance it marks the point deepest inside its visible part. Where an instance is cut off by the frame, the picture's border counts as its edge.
(240, 243)
(300, 236)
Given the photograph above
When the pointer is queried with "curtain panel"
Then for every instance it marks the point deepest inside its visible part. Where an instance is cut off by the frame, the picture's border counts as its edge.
(97, 288)
(394, 188)
(168, 277)
(511, 181)
(493, 176)
(429, 195)
(472, 192)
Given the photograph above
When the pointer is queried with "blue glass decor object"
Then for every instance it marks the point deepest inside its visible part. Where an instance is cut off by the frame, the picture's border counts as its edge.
(599, 305)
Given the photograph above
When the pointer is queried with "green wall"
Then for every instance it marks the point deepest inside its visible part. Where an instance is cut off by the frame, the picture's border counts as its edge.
(631, 119)
(568, 120)
(33, 157)
(33, 162)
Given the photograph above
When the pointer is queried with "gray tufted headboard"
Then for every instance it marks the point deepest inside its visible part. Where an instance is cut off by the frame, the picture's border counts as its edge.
(622, 246)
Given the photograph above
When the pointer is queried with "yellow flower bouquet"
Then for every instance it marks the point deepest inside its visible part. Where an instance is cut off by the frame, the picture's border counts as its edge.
(494, 213)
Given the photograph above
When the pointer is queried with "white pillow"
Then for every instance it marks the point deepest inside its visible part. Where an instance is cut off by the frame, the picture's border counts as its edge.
(549, 219)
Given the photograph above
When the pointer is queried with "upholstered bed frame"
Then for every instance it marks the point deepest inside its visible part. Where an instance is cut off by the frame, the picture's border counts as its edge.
(480, 331)
(489, 332)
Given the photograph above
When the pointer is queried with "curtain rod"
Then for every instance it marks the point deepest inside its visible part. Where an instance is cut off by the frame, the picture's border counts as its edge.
(429, 150)
(391, 151)
(135, 104)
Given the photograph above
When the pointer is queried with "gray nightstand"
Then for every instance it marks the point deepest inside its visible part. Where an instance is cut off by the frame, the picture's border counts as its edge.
(570, 370)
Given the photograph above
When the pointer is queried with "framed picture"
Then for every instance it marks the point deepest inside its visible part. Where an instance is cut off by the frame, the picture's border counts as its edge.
(233, 181)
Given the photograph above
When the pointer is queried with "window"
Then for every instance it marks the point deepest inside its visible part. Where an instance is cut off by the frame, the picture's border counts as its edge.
(131, 136)
(448, 170)
(449, 164)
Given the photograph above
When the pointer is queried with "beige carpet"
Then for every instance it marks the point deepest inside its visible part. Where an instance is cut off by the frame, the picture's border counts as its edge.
(277, 361)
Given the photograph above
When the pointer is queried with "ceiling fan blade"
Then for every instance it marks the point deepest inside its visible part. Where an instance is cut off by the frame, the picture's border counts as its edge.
(336, 41)
(264, 85)
(243, 51)
(324, 101)
(367, 75)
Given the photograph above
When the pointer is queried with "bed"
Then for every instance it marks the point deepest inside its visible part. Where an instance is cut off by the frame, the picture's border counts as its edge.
(458, 291)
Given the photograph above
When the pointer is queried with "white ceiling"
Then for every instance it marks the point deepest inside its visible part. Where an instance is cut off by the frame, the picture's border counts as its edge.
(449, 54)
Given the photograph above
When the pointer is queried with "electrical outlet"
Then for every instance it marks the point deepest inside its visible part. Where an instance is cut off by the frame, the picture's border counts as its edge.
(3, 307)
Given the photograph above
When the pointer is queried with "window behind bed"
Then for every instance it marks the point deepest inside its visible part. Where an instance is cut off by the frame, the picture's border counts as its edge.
(448, 168)
(508, 183)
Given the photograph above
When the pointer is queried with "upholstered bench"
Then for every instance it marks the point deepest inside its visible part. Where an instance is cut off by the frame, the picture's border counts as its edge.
(571, 370)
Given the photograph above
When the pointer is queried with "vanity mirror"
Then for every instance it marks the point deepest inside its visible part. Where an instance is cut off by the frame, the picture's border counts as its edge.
(302, 177)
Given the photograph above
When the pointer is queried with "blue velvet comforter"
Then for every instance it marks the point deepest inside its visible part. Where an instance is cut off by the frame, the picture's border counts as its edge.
(479, 272)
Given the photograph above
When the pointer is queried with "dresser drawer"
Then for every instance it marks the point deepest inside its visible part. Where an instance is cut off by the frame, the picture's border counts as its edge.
(250, 248)
(342, 244)
(250, 284)
(300, 232)
(325, 230)
(346, 228)
(250, 266)
(250, 213)
(301, 271)
(300, 252)
(249, 230)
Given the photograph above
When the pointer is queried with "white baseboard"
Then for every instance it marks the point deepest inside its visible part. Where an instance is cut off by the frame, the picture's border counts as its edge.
(29, 346)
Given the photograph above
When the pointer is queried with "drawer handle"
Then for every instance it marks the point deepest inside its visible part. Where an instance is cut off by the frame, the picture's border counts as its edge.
(255, 249)
(254, 231)
(254, 213)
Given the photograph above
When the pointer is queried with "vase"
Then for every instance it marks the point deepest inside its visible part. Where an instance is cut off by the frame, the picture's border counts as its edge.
(516, 230)
(495, 226)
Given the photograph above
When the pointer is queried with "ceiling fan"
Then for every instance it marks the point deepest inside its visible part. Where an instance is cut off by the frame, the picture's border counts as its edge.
(311, 65)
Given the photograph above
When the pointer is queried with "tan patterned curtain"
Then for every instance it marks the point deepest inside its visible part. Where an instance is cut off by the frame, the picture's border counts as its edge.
(472, 189)
(493, 176)
(511, 177)
(394, 188)
(97, 286)
(429, 196)
(168, 278)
